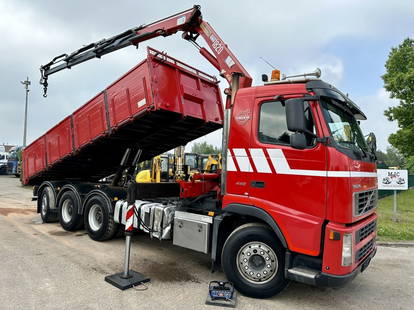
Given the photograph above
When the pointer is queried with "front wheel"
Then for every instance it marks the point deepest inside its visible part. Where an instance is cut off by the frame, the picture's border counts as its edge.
(254, 261)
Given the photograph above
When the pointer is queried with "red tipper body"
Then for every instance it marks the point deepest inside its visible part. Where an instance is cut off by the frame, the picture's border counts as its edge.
(158, 105)
(308, 192)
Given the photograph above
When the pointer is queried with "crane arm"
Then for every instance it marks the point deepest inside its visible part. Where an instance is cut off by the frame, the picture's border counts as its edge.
(192, 25)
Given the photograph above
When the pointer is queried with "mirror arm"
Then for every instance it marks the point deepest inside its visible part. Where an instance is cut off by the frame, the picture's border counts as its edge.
(323, 140)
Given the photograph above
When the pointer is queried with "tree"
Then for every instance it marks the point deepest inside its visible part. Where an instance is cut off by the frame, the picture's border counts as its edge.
(394, 158)
(205, 148)
(390, 158)
(399, 81)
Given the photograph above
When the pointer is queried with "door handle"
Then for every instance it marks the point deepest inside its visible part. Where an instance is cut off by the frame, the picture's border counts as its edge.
(258, 184)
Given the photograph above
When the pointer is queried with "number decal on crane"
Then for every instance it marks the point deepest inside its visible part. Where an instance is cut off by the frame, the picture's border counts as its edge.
(217, 44)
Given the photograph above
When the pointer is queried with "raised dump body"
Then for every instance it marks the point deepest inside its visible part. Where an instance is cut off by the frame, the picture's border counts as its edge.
(158, 105)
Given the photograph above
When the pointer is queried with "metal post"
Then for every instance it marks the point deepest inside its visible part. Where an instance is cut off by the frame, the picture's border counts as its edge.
(395, 207)
(127, 278)
(235, 84)
(126, 274)
(26, 86)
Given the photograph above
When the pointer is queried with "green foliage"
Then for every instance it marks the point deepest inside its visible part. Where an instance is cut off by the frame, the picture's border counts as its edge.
(409, 164)
(399, 81)
(205, 148)
(403, 228)
(399, 78)
(391, 158)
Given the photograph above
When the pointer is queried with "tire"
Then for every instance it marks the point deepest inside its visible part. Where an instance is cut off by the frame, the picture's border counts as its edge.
(68, 215)
(48, 211)
(254, 261)
(99, 222)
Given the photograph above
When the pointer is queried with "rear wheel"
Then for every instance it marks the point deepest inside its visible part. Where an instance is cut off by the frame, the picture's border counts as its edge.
(99, 222)
(254, 261)
(48, 211)
(69, 217)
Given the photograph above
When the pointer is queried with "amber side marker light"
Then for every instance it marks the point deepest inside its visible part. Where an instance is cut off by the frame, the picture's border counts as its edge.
(334, 235)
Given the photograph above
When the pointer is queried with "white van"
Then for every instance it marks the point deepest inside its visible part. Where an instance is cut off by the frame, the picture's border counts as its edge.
(4, 156)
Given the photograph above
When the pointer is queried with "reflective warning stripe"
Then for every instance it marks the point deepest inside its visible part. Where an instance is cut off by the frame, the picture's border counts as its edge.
(230, 163)
(281, 165)
(260, 161)
(242, 160)
(129, 224)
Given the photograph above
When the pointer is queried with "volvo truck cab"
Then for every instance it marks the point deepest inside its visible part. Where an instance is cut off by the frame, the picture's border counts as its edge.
(296, 152)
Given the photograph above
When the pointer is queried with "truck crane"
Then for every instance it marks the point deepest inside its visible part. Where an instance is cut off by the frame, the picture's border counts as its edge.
(297, 194)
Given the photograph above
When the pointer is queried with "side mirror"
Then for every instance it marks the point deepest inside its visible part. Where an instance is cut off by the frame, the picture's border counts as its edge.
(372, 142)
(295, 115)
(298, 140)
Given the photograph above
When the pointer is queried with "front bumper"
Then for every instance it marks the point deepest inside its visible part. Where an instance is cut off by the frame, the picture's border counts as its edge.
(316, 277)
(330, 280)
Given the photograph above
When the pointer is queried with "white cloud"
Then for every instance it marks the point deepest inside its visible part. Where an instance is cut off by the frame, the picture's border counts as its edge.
(374, 106)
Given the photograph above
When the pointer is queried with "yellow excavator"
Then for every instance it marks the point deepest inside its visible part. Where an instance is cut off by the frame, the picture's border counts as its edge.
(154, 171)
(210, 163)
(180, 166)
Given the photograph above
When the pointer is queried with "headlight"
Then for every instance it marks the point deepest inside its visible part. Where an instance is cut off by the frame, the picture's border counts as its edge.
(347, 250)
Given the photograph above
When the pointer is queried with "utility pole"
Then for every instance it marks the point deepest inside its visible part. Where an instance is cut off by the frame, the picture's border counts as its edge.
(26, 86)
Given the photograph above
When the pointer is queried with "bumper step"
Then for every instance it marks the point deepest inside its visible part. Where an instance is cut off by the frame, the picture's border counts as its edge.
(302, 274)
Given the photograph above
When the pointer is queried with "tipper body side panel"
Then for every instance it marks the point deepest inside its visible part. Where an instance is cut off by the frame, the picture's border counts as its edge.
(158, 105)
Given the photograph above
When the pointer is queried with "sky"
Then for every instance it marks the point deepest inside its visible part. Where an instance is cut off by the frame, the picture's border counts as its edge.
(348, 40)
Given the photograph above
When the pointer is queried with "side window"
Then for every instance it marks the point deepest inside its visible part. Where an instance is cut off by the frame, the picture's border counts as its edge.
(273, 127)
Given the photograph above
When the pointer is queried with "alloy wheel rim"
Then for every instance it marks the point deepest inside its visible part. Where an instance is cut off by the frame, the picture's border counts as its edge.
(257, 262)
(95, 217)
(67, 210)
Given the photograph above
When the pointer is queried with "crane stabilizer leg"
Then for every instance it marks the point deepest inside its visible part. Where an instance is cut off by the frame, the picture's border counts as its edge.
(128, 278)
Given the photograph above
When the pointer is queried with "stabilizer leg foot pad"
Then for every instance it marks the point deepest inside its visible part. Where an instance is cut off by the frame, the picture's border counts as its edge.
(135, 278)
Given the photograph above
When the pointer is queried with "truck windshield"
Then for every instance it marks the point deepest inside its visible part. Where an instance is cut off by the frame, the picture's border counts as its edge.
(344, 127)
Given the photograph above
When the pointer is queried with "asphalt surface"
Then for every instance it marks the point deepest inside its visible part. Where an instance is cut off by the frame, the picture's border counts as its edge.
(44, 267)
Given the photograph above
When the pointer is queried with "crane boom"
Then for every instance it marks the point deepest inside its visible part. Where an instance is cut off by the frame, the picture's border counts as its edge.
(192, 25)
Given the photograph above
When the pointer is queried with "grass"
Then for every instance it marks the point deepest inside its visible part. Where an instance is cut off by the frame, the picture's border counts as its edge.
(403, 228)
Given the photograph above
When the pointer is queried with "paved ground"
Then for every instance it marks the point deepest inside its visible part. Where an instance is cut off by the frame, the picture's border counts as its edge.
(44, 267)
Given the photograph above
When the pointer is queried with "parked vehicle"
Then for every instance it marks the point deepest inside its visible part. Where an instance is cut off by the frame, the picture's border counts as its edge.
(14, 161)
(297, 194)
(4, 156)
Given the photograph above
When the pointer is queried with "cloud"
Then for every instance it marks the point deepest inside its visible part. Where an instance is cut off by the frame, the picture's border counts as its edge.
(374, 106)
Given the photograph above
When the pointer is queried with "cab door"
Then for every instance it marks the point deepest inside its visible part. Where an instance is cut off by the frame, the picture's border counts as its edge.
(285, 181)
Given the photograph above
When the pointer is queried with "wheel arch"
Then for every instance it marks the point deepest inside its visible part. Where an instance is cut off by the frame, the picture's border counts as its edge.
(100, 193)
(55, 186)
(74, 189)
(234, 216)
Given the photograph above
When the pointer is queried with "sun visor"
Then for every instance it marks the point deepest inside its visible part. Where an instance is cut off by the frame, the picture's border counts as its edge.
(323, 89)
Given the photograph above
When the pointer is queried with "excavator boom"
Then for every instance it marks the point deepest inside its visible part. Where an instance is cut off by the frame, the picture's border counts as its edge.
(192, 25)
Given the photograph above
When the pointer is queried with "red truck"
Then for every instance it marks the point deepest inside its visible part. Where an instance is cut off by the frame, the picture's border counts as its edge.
(296, 198)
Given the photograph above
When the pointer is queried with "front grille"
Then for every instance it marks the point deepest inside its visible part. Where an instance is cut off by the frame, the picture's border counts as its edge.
(364, 251)
(365, 231)
(365, 202)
